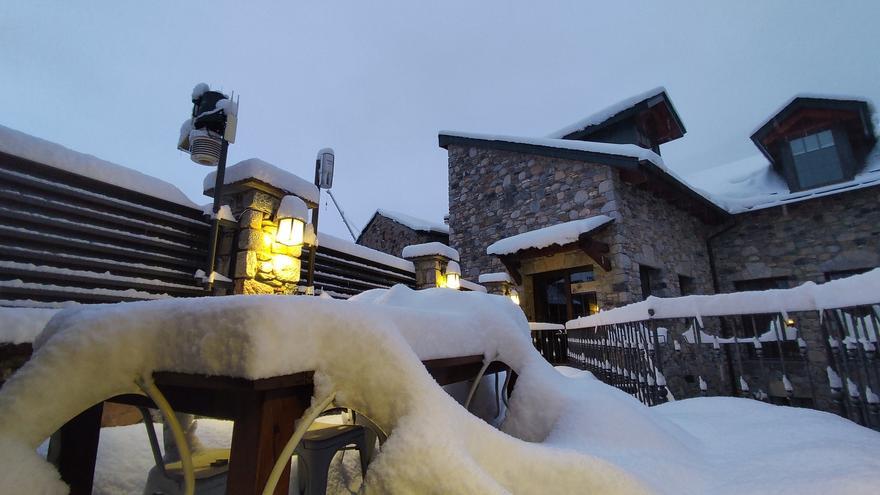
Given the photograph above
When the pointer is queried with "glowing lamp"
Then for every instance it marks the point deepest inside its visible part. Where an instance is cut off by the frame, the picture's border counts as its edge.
(514, 296)
(291, 217)
(453, 275)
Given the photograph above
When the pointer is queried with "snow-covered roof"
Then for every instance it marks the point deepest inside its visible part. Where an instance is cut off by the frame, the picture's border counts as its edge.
(255, 168)
(851, 291)
(606, 113)
(488, 278)
(752, 184)
(413, 222)
(559, 234)
(54, 155)
(348, 247)
(612, 149)
(430, 249)
(813, 96)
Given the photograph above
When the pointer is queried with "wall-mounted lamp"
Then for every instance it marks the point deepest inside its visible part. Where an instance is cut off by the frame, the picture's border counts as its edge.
(453, 275)
(291, 217)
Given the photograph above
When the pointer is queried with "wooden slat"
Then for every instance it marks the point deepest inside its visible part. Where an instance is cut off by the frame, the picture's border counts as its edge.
(96, 280)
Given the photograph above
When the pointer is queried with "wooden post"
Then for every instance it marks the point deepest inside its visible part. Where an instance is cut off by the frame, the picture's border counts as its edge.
(74, 448)
(265, 424)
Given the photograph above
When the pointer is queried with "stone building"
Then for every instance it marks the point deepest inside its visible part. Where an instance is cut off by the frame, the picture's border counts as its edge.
(784, 219)
(389, 232)
(590, 217)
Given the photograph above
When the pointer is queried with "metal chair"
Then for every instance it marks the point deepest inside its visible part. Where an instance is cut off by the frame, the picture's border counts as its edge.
(317, 449)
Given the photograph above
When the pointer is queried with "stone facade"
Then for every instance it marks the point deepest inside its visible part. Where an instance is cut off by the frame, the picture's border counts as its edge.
(801, 242)
(385, 235)
(495, 194)
(654, 233)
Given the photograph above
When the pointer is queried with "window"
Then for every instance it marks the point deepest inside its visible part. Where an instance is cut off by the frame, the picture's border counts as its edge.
(753, 325)
(816, 160)
(650, 279)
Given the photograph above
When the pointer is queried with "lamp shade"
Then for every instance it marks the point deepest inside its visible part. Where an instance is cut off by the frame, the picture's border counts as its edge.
(453, 275)
(291, 217)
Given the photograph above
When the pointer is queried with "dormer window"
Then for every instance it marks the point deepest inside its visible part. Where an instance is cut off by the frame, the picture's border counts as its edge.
(816, 160)
(813, 141)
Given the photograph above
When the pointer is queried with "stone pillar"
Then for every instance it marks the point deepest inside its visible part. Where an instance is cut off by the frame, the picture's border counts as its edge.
(430, 262)
(498, 283)
(249, 253)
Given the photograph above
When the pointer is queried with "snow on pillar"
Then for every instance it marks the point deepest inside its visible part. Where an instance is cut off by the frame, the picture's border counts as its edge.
(261, 261)
(430, 260)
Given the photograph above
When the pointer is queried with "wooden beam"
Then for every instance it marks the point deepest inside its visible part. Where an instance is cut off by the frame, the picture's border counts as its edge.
(512, 265)
(596, 250)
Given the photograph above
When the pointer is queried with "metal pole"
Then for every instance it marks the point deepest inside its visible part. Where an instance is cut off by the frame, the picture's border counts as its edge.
(310, 277)
(215, 224)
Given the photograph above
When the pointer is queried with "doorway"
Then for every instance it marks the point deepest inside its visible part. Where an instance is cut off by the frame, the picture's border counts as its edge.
(563, 295)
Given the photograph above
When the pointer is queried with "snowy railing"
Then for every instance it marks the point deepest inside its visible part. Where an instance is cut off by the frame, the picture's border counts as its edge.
(551, 340)
(822, 357)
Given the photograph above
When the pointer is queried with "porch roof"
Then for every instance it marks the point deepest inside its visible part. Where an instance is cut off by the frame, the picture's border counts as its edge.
(560, 234)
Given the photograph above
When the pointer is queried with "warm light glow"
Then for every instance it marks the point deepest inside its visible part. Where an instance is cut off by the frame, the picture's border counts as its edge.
(453, 281)
(290, 231)
(514, 296)
(789, 322)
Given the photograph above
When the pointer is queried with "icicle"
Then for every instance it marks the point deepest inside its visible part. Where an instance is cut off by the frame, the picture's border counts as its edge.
(703, 385)
(699, 320)
(676, 345)
(868, 346)
(871, 397)
(715, 344)
(651, 381)
(743, 385)
(833, 342)
(787, 384)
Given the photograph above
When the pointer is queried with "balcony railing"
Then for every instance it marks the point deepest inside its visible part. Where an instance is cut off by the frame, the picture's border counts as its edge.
(819, 358)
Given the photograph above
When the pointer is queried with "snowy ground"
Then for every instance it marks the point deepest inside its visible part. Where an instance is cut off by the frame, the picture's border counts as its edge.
(564, 432)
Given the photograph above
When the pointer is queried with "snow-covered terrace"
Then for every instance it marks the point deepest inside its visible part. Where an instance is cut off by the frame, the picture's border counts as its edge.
(564, 431)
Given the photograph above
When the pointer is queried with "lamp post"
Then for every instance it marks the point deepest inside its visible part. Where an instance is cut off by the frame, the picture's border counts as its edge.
(323, 180)
(206, 137)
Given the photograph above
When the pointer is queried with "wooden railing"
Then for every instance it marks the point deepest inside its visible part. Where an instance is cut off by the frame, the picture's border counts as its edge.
(65, 237)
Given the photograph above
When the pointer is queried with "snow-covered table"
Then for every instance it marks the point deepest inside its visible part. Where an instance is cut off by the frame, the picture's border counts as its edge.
(264, 412)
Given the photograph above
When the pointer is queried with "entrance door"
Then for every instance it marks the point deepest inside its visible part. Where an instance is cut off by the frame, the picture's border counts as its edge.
(564, 295)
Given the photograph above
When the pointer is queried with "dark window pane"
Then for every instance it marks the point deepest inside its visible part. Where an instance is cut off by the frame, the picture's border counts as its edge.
(797, 146)
(826, 139)
(818, 168)
(645, 276)
(583, 276)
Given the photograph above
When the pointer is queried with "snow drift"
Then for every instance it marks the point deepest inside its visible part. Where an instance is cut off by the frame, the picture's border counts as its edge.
(563, 433)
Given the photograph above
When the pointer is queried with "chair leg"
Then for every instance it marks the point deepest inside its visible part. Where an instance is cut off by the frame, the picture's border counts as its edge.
(364, 454)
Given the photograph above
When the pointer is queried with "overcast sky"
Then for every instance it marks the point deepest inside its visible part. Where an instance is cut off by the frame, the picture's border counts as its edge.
(378, 80)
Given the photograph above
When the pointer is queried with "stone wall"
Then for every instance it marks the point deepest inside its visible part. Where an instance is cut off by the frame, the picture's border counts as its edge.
(655, 233)
(495, 194)
(385, 235)
(802, 241)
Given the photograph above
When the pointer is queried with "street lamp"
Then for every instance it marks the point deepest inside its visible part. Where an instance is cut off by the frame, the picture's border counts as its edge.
(323, 180)
(206, 137)
(291, 217)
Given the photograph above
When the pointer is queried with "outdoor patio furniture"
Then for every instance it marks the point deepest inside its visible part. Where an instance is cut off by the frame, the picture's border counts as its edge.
(166, 478)
(264, 410)
(317, 449)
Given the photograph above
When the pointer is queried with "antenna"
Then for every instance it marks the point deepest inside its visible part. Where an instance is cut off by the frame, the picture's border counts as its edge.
(342, 214)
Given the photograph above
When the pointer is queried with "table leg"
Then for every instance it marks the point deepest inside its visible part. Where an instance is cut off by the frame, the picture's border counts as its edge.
(262, 428)
(74, 449)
